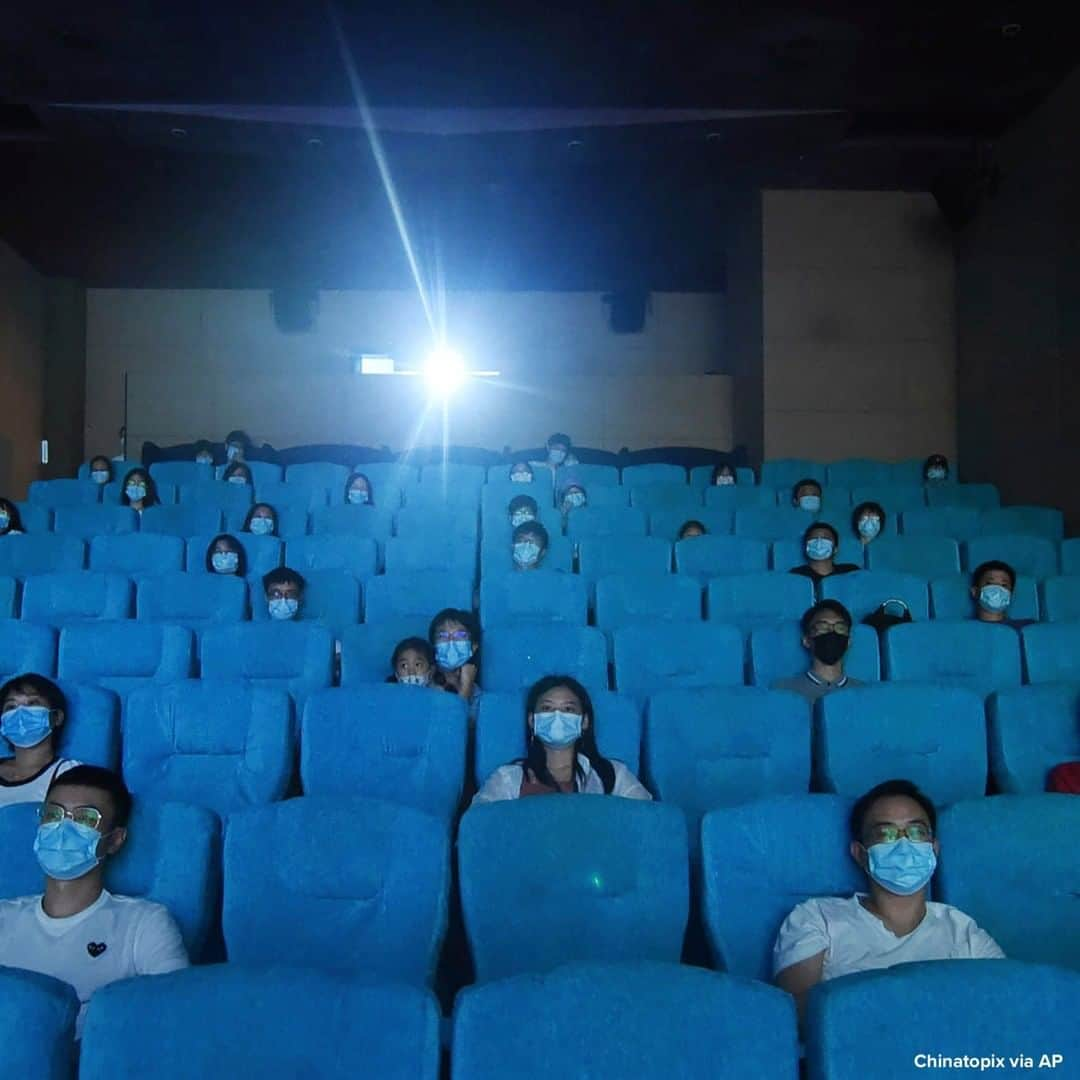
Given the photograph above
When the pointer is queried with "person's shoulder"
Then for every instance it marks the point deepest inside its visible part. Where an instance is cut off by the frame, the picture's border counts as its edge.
(66, 763)
(794, 683)
(826, 908)
(852, 681)
(802, 571)
(138, 909)
(946, 913)
(16, 905)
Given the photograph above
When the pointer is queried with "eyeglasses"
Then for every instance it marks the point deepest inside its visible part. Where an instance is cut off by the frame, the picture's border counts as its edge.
(452, 635)
(823, 627)
(916, 832)
(53, 813)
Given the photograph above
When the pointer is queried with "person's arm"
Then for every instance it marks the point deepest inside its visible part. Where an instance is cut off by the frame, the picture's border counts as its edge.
(503, 783)
(982, 946)
(467, 681)
(627, 785)
(799, 952)
(800, 978)
(159, 948)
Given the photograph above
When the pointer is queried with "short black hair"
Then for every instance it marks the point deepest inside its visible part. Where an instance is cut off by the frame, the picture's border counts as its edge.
(821, 525)
(988, 566)
(889, 789)
(101, 457)
(531, 528)
(559, 439)
(718, 469)
(241, 565)
(283, 575)
(204, 446)
(151, 488)
(419, 644)
(806, 481)
(104, 780)
(14, 517)
(687, 524)
(523, 502)
(466, 618)
(234, 468)
(521, 465)
(867, 508)
(46, 688)
(239, 438)
(251, 514)
(566, 488)
(822, 606)
(935, 460)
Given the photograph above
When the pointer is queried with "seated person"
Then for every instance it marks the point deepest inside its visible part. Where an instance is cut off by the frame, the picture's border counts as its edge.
(284, 589)
(261, 520)
(521, 472)
(573, 497)
(522, 508)
(893, 840)
(77, 931)
(806, 495)
(935, 469)
(225, 555)
(455, 637)
(820, 542)
(358, 490)
(32, 711)
(413, 663)
(826, 634)
(139, 490)
(237, 473)
(204, 453)
(867, 521)
(101, 471)
(560, 452)
(723, 476)
(237, 446)
(10, 519)
(992, 587)
(531, 542)
(691, 529)
(562, 756)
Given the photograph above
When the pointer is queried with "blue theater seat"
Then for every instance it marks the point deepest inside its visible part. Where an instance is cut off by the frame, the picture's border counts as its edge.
(784, 472)
(541, 595)
(655, 474)
(740, 497)
(76, 596)
(592, 476)
(57, 493)
(701, 476)
(630, 598)
(835, 502)
(403, 744)
(292, 521)
(35, 519)
(120, 467)
(602, 522)
(317, 474)
(332, 598)
(497, 557)
(182, 473)
(707, 557)
(667, 497)
(21, 556)
(1061, 599)
(759, 860)
(893, 499)
(187, 521)
(1070, 556)
(1028, 903)
(356, 554)
(373, 521)
(26, 647)
(648, 1021)
(934, 736)
(860, 472)
(453, 477)
(651, 658)
(951, 599)
(1043, 521)
(974, 655)
(972, 496)
(922, 556)
(432, 502)
(121, 656)
(425, 551)
(957, 522)
(637, 556)
(666, 524)
(1032, 729)
(1052, 652)
(420, 595)
(776, 652)
(779, 523)
(112, 494)
(599, 496)
(47, 1008)
(623, 880)
(389, 474)
(787, 554)
(516, 657)
(1031, 556)
(296, 1022)
(86, 522)
(366, 650)
(226, 497)
(866, 591)
(262, 472)
(139, 553)
(91, 729)
(374, 906)
(9, 589)
(294, 498)
(264, 553)
(222, 745)
(192, 600)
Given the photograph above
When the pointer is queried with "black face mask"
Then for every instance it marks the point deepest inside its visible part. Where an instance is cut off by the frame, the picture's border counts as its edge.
(829, 648)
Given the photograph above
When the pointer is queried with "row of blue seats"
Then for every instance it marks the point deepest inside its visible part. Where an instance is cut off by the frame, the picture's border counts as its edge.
(647, 1021)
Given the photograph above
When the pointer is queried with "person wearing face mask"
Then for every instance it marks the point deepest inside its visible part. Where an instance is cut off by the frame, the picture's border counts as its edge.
(521, 472)
(237, 473)
(225, 555)
(530, 545)
(560, 452)
(562, 757)
(826, 634)
(935, 469)
(723, 476)
(455, 637)
(692, 529)
(894, 841)
(204, 453)
(10, 519)
(77, 931)
(139, 490)
(573, 497)
(284, 589)
(820, 542)
(237, 446)
(101, 472)
(806, 495)
(867, 522)
(32, 712)
(992, 587)
(358, 490)
(261, 520)
(522, 509)
(413, 663)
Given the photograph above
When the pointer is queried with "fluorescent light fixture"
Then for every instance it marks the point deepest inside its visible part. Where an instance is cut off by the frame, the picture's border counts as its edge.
(373, 364)
(444, 369)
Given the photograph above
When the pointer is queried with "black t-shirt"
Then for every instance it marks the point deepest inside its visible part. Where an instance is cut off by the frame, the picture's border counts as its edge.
(815, 577)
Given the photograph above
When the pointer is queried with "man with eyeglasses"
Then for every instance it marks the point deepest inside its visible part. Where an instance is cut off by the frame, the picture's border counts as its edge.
(77, 930)
(826, 634)
(893, 839)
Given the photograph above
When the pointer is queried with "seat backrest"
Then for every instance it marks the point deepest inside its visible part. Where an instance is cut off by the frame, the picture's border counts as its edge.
(1028, 904)
(226, 497)
(356, 554)
(515, 657)
(973, 496)
(656, 474)
(976, 655)
(316, 474)
(264, 553)
(47, 1008)
(91, 729)
(958, 522)
(430, 551)
(138, 553)
(332, 598)
(366, 650)
(112, 494)
(453, 480)
(779, 523)
(89, 521)
(651, 658)
(759, 860)
(1060, 598)
(894, 500)
(783, 472)
(951, 599)
(599, 497)
(593, 522)
(666, 524)
(922, 556)
(71, 596)
(856, 472)
(740, 497)
(497, 557)
(866, 591)
(1032, 556)
(622, 599)
(654, 497)
(423, 593)
(701, 476)
(123, 655)
(182, 473)
(400, 743)
(776, 652)
(639, 556)
(262, 472)
(389, 475)
(347, 520)
(1070, 556)
(1052, 652)
(1044, 521)
(57, 493)
(222, 745)
(544, 595)
(623, 880)
(293, 497)
(636, 1019)
(374, 1028)
(190, 520)
(835, 503)
(934, 736)
(35, 518)
(1032, 729)
(592, 476)
(26, 647)
(376, 905)
(40, 553)
(1002, 1005)
(787, 554)
(501, 737)
(191, 600)
(707, 557)
(9, 607)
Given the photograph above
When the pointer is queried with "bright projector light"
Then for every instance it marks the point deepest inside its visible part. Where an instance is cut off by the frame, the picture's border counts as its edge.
(445, 369)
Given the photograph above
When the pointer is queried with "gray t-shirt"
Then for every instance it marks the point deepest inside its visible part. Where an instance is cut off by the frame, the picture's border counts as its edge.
(809, 686)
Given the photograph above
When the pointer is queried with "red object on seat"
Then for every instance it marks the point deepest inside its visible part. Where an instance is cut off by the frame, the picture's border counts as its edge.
(1065, 778)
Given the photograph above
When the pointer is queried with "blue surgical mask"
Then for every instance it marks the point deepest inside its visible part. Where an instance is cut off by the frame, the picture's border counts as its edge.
(232, 452)
(262, 526)
(557, 729)
(26, 725)
(995, 598)
(869, 526)
(519, 517)
(358, 497)
(225, 562)
(135, 492)
(66, 850)
(521, 477)
(936, 473)
(237, 479)
(810, 502)
(574, 499)
(100, 476)
(819, 548)
(556, 456)
(5, 519)
(283, 607)
(902, 867)
(204, 459)
(450, 655)
(526, 553)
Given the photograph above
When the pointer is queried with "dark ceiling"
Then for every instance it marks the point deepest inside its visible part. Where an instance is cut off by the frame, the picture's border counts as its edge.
(546, 145)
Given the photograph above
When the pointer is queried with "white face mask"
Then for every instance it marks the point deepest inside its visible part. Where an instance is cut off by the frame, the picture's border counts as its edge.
(519, 517)
(358, 497)
(521, 478)
(574, 500)
(415, 680)
(204, 459)
(725, 481)
(237, 479)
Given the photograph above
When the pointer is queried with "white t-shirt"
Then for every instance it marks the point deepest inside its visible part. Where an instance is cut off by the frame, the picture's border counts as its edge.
(33, 789)
(116, 937)
(505, 783)
(855, 940)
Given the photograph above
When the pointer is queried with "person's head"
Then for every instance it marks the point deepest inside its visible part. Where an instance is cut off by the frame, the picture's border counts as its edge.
(83, 820)
(358, 490)
(225, 555)
(826, 632)
(867, 521)
(100, 469)
(806, 495)
(558, 448)
(138, 488)
(522, 508)
(10, 519)
(723, 476)
(204, 453)
(521, 472)
(820, 542)
(936, 468)
(992, 586)
(237, 473)
(284, 589)
(573, 497)
(32, 708)
(455, 636)
(237, 445)
(530, 544)
(261, 520)
(691, 529)
(894, 837)
(413, 662)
